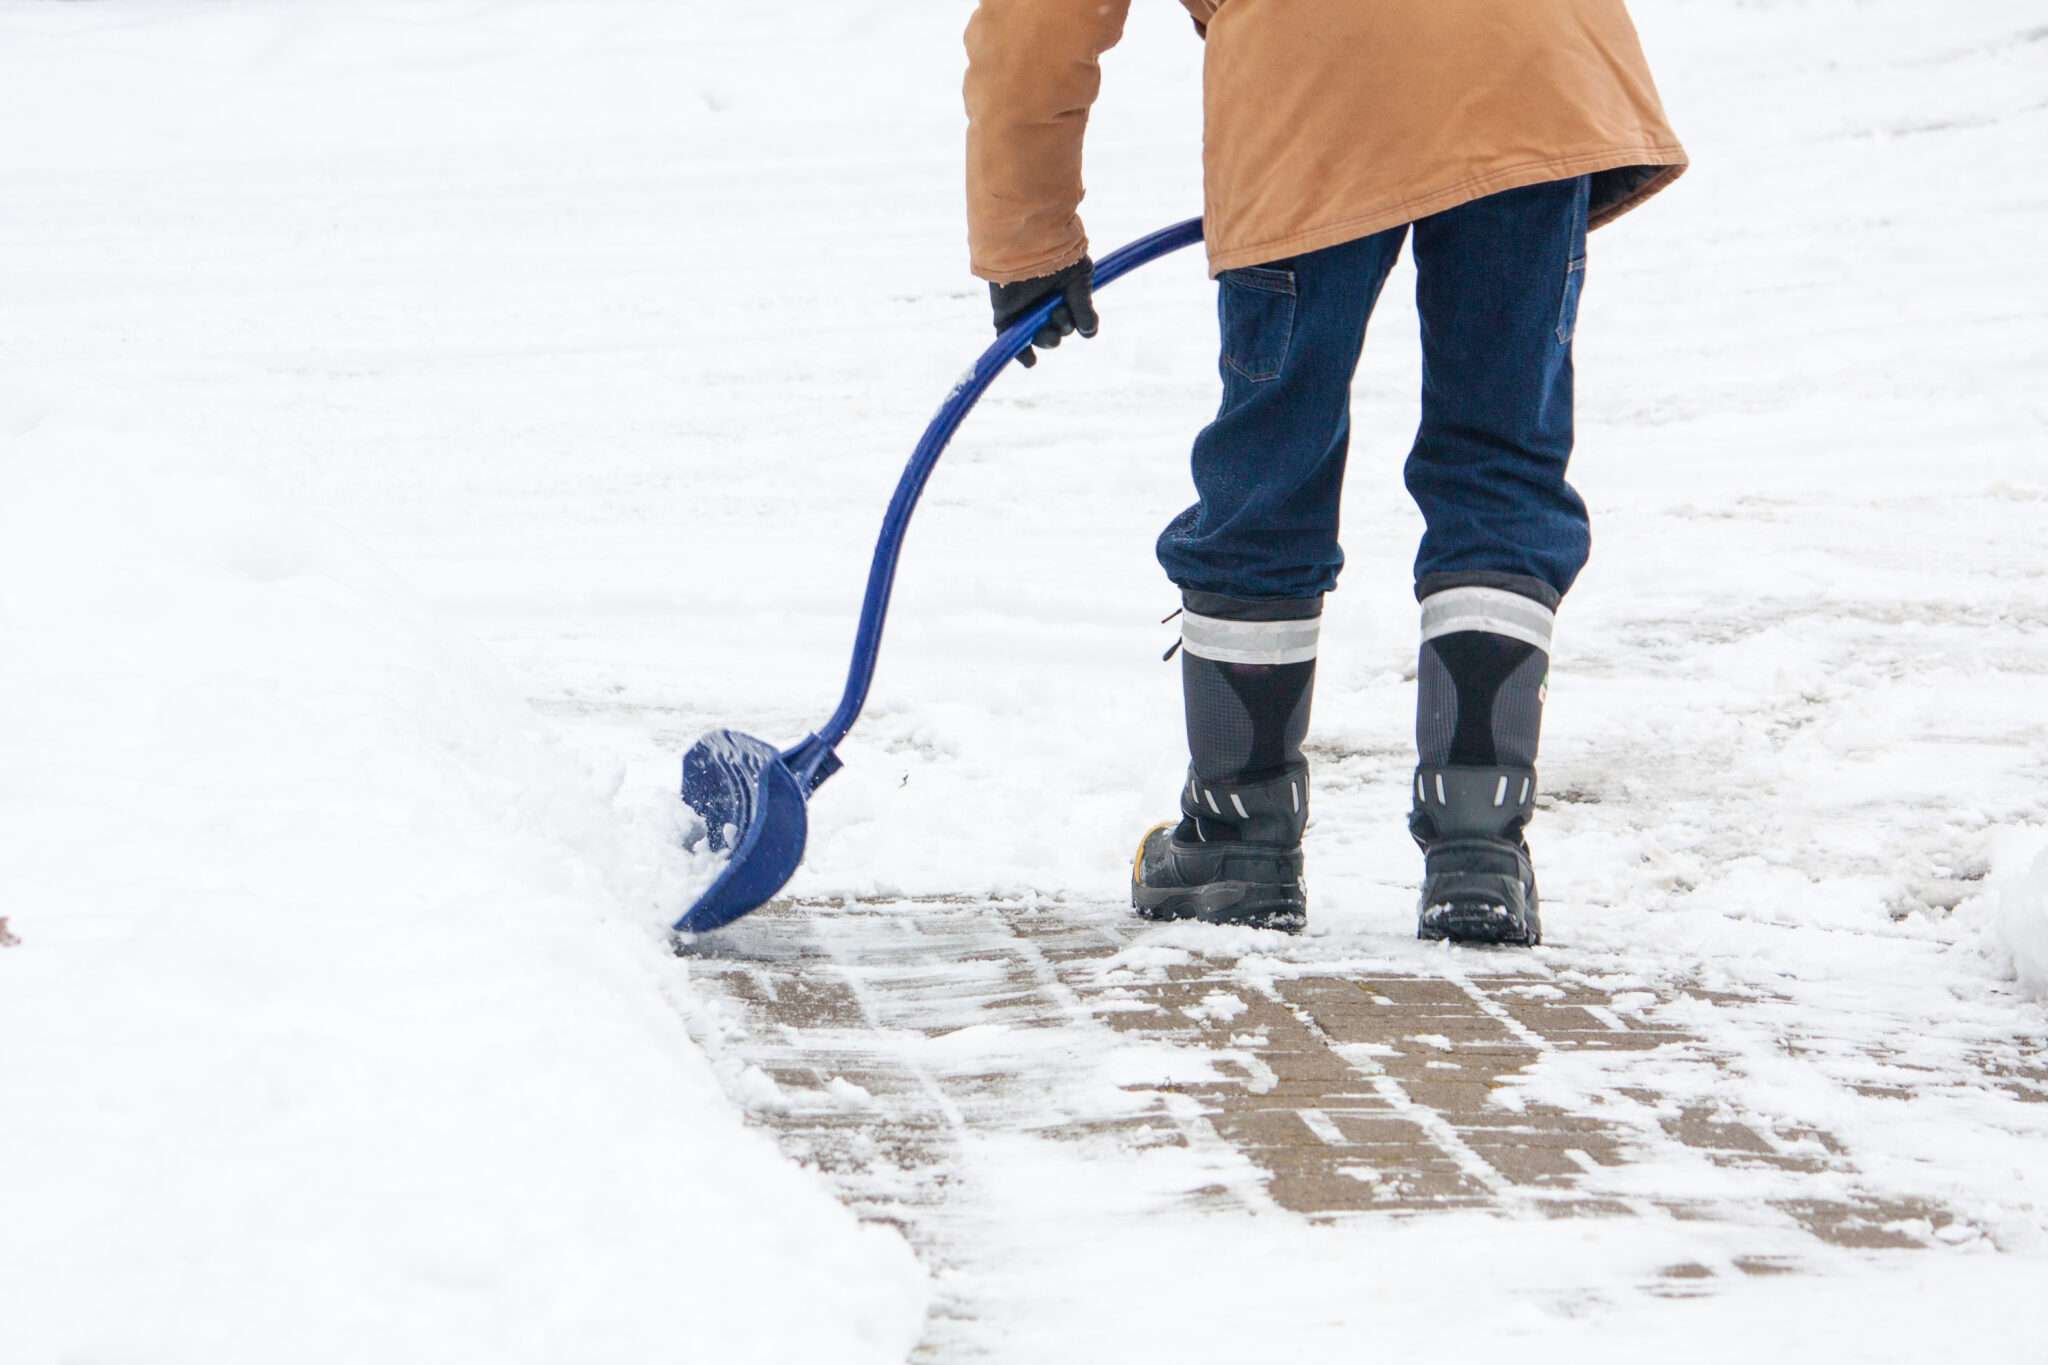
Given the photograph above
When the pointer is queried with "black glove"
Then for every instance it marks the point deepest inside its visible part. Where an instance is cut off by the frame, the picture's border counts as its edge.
(1076, 313)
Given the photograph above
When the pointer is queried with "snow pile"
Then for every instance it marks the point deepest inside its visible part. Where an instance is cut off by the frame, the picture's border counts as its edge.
(2019, 923)
(333, 1029)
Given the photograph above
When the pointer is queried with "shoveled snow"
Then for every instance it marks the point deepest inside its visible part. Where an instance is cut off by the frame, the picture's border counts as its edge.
(332, 1029)
(2019, 922)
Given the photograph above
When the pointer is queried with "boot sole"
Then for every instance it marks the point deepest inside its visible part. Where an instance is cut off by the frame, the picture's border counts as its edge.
(1245, 905)
(1478, 922)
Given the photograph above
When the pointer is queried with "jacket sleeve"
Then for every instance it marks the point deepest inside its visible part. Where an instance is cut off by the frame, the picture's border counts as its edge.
(1033, 70)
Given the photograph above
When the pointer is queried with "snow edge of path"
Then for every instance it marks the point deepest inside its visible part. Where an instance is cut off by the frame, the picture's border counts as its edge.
(341, 1033)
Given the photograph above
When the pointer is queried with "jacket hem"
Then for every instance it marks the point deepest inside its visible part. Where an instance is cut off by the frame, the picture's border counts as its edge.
(1048, 265)
(1642, 193)
(1224, 256)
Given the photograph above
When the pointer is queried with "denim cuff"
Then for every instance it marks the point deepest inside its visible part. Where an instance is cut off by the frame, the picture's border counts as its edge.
(1226, 608)
(1521, 585)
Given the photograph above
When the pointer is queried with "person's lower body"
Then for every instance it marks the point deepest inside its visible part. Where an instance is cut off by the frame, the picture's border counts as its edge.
(1498, 283)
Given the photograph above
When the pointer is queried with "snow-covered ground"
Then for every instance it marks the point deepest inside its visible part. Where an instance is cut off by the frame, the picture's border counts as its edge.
(419, 419)
(329, 1032)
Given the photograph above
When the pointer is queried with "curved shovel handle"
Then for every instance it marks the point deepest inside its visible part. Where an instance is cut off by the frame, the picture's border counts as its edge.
(882, 575)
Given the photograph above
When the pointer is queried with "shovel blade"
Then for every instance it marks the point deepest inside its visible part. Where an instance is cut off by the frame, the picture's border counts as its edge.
(753, 804)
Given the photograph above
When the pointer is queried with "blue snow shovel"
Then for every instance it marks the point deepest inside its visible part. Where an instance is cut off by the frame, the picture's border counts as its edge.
(751, 794)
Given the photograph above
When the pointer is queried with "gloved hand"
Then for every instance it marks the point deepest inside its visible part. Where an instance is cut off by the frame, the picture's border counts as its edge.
(1076, 313)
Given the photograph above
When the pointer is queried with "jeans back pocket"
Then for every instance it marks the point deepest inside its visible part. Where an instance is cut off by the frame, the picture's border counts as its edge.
(1256, 305)
(1568, 311)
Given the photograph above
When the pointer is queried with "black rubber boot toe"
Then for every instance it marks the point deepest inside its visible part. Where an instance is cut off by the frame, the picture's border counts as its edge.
(1255, 885)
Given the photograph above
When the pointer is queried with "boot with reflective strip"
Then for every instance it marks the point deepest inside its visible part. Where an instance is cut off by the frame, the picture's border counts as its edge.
(1234, 857)
(1484, 665)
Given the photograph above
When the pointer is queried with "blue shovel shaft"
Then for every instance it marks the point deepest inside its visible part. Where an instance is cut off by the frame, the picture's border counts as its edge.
(1012, 343)
(752, 796)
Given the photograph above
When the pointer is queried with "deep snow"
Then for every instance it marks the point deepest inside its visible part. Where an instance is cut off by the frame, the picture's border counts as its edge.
(332, 1029)
(368, 369)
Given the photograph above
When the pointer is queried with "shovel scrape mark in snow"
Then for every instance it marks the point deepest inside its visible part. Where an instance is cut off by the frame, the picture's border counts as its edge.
(1275, 1086)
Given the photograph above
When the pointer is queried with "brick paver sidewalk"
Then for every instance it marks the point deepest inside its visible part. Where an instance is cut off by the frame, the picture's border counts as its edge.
(1348, 1093)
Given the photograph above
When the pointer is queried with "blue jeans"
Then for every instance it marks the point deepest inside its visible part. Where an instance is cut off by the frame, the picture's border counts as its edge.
(1497, 288)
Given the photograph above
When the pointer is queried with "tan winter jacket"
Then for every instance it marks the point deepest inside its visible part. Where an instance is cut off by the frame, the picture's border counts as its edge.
(1326, 120)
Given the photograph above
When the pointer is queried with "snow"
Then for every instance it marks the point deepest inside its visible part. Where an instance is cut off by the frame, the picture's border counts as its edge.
(341, 1037)
(421, 419)
(2018, 924)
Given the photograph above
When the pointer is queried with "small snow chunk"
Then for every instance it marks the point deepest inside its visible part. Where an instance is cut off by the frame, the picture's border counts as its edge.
(846, 1095)
(2020, 923)
(1217, 1006)
(1262, 1079)
(1633, 1002)
(1435, 1040)
(755, 1089)
(1142, 957)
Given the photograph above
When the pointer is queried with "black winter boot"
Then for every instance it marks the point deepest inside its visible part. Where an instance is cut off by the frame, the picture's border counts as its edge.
(1481, 684)
(1247, 674)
